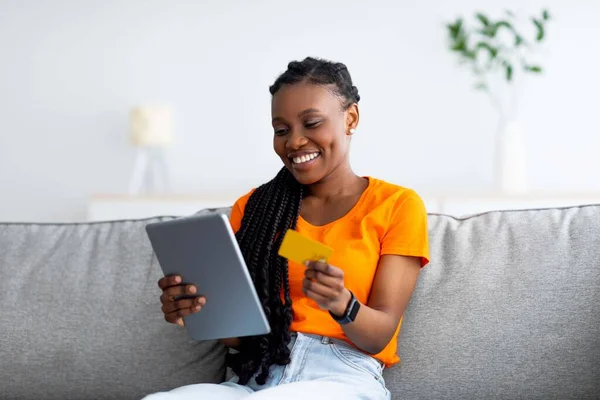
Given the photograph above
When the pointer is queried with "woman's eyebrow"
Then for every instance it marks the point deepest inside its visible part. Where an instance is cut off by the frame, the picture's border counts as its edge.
(307, 111)
(300, 114)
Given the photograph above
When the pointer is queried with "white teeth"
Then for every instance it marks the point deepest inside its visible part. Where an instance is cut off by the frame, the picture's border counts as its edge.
(305, 158)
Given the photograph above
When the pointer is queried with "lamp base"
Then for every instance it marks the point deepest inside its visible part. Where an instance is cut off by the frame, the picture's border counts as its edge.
(150, 172)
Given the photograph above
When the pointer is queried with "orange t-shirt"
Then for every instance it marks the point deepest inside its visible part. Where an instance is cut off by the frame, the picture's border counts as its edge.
(387, 219)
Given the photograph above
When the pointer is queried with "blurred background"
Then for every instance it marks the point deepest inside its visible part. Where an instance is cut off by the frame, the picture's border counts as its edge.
(72, 71)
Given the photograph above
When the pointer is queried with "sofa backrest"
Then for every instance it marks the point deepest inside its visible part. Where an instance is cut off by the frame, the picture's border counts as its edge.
(508, 308)
(80, 316)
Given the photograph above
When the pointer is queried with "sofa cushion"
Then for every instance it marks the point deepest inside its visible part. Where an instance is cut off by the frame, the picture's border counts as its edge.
(508, 308)
(81, 316)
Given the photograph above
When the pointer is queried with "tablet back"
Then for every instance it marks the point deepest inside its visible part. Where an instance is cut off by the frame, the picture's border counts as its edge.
(202, 249)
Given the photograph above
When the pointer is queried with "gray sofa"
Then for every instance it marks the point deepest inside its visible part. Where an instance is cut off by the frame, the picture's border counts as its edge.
(509, 308)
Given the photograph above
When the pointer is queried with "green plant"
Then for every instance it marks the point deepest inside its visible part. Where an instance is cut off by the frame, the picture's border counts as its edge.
(496, 46)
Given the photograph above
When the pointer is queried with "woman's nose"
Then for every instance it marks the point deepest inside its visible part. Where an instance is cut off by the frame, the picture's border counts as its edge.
(296, 140)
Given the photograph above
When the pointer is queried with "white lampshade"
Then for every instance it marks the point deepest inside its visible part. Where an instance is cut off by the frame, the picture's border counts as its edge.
(151, 126)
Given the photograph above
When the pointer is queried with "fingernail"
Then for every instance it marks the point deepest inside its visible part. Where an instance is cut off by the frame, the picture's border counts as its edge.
(191, 289)
(197, 308)
(307, 263)
(200, 300)
(177, 279)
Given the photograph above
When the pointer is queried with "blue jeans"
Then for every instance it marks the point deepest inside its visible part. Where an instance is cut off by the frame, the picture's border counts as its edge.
(320, 368)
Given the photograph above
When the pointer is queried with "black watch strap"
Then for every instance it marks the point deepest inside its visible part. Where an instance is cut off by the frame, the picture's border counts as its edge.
(350, 313)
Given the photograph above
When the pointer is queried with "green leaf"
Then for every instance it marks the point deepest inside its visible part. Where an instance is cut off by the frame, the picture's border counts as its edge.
(484, 20)
(489, 31)
(545, 15)
(481, 86)
(505, 24)
(455, 29)
(518, 40)
(509, 71)
(533, 68)
(493, 51)
(471, 55)
(540, 29)
(459, 45)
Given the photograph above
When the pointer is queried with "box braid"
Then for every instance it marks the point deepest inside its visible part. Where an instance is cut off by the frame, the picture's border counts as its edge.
(272, 209)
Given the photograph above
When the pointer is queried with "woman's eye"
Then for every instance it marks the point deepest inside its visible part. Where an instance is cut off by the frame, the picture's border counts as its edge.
(280, 131)
(312, 124)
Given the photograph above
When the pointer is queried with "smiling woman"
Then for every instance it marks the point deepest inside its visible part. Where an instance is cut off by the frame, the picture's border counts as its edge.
(309, 113)
(335, 322)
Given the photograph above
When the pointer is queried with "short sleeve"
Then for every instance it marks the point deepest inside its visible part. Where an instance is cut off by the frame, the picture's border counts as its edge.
(237, 212)
(407, 233)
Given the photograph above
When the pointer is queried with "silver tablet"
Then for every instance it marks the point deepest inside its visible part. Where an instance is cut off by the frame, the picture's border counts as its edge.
(204, 251)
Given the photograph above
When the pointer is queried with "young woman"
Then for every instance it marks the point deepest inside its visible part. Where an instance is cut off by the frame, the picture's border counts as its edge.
(331, 323)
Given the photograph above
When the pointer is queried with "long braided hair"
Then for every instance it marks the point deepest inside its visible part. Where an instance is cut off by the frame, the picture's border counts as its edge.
(272, 209)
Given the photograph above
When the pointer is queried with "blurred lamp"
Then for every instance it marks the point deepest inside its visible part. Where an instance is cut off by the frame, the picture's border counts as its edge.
(151, 132)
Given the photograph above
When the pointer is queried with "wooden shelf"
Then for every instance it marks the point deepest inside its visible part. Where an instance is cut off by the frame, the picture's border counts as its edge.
(123, 206)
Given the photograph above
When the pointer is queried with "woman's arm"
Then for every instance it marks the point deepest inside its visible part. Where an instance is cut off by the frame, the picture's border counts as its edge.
(231, 342)
(376, 322)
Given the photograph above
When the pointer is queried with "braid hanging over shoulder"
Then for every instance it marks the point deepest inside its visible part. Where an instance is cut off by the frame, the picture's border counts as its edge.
(272, 209)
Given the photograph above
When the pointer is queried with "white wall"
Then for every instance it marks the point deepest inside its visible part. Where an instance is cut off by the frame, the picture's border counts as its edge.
(70, 70)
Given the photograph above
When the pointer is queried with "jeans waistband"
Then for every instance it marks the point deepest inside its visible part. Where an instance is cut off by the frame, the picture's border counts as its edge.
(328, 340)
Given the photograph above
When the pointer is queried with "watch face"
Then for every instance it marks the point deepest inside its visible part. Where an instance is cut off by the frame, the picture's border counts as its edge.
(353, 310)
(350, 313)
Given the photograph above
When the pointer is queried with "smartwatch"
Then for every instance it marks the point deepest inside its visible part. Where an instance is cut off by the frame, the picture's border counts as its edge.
(350, 313)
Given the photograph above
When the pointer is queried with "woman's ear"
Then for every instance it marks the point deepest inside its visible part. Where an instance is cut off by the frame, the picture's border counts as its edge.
(352, 117)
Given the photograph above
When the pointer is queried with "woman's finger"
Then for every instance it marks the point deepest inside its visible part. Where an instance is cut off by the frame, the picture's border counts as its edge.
(172, 306)
(325, 268)
(171, 293)
(175, 316)
(174, 319)
(320, 289)
(322, 301)
(168, 281)
(334, 283)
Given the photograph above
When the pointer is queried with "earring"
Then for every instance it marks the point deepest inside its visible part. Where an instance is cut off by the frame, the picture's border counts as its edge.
(352, 130)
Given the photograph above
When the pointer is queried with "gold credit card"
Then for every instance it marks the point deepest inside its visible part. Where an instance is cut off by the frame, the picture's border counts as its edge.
(300, 249)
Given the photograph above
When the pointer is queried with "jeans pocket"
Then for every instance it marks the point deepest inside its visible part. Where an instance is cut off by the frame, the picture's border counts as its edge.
(358, 360)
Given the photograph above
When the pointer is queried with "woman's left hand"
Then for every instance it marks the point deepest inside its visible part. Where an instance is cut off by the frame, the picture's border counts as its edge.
(324, 283)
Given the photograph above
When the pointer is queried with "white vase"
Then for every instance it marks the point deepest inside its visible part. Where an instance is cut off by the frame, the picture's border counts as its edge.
(511, 173)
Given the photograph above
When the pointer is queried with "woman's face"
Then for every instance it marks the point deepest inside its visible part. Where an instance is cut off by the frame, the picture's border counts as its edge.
(312, 131)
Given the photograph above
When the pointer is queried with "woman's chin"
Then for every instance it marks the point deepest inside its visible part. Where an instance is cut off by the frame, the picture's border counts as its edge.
(304, 177)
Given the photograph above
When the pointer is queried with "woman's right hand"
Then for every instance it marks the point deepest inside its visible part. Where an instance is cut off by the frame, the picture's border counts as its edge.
(173, 306)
